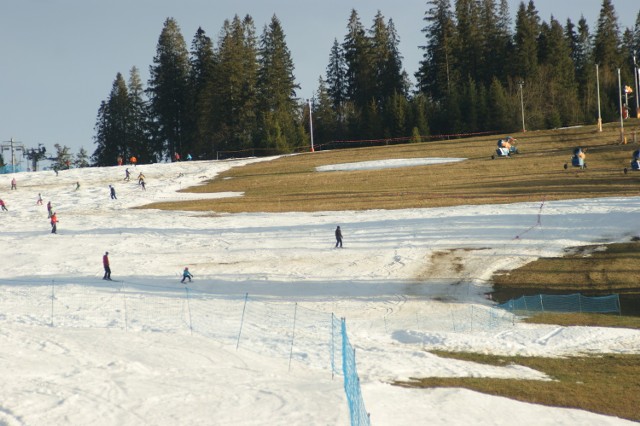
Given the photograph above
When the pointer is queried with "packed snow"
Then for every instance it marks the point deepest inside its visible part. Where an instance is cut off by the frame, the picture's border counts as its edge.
(75, 349)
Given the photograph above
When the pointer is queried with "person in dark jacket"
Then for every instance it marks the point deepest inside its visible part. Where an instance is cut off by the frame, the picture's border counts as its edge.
(107, 268)
(338, 237)
(113, 193)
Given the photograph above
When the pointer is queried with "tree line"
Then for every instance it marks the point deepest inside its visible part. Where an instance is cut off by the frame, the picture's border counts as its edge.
(237, 96)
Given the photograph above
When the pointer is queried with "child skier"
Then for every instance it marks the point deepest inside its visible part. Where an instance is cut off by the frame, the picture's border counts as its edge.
(186, 274)
(4, 208)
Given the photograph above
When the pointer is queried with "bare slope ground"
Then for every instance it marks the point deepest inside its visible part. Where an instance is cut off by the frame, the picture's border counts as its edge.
(291, 183)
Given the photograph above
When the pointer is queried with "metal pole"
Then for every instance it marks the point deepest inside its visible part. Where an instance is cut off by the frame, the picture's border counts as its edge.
(620, 103)
(635, 68)
(598, 91)
(311, 126)
(13, 157)
(524, 129)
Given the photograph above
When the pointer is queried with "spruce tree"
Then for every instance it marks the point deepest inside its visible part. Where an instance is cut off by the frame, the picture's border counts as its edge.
(199, 102)
(82, 158)
(525, 59)
(168, 90)
(234, 88)
(470, 40)
(495, 42)
(386, 60)
(560, 88)
(277, 103)
(360, 82)
(607, 44)
(336, 79)
(324, 116)
(139, 122)
(113, 135)
(435, 76)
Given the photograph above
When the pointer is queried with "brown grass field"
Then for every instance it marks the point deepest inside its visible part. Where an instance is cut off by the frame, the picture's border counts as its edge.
(608, 384)
(291, 183)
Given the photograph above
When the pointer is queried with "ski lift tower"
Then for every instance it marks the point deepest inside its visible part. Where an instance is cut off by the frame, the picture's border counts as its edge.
(12, 146)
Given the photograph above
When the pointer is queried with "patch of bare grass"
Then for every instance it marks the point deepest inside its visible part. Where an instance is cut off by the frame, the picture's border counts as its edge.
(291, 183)
(607, 384)
(585, 319)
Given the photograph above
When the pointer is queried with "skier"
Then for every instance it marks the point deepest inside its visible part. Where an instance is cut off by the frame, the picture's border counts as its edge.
(140, 178)
(4, 208)
(54, 223)
(126, 174)
(186, 274)
(142, 184)
(113, 193)
(77, 185)
(107, 269)
(14, 184)
(49, 210)
(39, 202)
(338, 237)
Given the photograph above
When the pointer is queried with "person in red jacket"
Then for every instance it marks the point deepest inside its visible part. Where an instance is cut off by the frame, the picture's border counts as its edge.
(54, 223)
(107, 269)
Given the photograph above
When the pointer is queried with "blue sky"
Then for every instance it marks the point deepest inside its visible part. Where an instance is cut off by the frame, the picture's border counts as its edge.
(59, 58)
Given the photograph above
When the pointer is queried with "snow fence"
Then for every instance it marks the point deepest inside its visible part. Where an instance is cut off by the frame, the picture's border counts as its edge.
(563, 303)
(283, 330)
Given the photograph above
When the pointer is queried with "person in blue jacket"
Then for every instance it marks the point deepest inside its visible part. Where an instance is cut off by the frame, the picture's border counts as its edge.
(186, 274)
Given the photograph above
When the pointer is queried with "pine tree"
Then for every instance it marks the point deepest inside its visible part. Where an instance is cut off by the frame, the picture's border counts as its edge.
(63, 156)
(435, 76)
(525, 58)
(470, 40)
(276, 91)
(168, 90)
(561, 95)
(418, 117)
(139, 129)
(336, 79)
(82, 158)
(500, 113)
(199, 102)
(325, 116)
(358, 59)
(113, 125)
(495, 41)
(386, 60)
(606, 44)
(234, 87)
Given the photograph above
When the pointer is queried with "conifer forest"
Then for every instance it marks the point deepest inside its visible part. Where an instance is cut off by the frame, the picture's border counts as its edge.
(235, 95)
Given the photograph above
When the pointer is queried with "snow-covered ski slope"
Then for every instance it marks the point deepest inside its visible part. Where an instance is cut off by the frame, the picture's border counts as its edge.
(405, 282)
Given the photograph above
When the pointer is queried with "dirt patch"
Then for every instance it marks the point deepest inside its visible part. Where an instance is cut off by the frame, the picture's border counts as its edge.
(457, 265)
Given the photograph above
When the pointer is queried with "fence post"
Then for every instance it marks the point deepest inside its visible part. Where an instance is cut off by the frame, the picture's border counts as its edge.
(53, 296)
(580, 302)
(293, 333)
(189, 310)
(244, 308)
(541, 304)
(333, 348)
